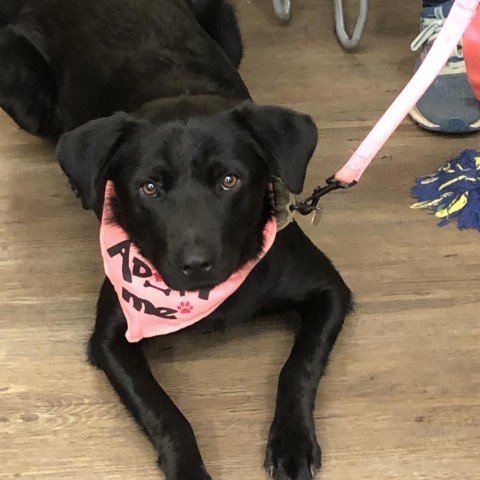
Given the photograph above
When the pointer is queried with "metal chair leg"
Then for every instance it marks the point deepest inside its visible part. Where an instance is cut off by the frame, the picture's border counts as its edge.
(347, 41)
(282, 9)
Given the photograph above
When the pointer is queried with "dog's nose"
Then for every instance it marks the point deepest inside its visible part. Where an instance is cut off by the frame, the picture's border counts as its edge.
(196, 264)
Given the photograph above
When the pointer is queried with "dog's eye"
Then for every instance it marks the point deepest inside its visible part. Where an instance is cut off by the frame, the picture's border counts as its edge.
(229, 182)
(149, 189)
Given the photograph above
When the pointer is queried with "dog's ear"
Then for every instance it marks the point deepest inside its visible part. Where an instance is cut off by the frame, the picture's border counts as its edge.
(87, 154)
(284, 138)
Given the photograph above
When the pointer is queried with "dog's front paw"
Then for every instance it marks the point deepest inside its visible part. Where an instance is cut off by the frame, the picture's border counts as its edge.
(293, 452)
(187, 471)
(199, 475)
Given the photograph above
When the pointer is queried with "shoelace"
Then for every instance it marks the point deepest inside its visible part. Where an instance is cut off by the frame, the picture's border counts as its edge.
(429, 33)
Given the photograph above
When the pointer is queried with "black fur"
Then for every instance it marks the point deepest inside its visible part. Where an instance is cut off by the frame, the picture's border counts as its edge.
(9, 11)
(27, 89)
(154, 95)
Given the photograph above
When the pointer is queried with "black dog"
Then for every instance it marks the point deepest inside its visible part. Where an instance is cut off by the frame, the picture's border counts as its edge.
(191, 163)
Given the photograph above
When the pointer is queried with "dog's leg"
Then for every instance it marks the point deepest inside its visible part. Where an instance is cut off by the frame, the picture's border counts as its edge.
(27, 88)
(218, 19)
(293, 452)
(127, 369)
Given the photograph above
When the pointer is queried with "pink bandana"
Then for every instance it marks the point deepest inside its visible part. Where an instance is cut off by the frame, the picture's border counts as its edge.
(150, 306)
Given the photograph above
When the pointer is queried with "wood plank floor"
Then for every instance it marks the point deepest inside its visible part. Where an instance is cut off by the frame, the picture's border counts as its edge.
(402, 395)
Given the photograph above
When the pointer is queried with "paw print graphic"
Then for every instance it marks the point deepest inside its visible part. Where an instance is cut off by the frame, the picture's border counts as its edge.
(185, 307)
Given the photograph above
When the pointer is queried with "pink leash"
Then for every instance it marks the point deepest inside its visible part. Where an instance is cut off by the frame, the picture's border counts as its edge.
(457, 22)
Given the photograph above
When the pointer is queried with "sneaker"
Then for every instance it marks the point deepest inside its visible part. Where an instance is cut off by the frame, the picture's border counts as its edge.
(449, 105)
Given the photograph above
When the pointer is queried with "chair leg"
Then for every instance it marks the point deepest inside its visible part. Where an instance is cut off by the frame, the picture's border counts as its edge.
(347, 41)
(282, 9)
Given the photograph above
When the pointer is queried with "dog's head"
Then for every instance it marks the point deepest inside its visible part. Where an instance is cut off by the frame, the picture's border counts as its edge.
(191, 194)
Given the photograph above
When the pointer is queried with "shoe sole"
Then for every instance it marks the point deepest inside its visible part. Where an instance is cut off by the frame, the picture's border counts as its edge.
(453, 125)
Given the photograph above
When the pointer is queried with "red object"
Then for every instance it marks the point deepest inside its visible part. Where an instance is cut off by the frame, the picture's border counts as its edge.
(471, 52)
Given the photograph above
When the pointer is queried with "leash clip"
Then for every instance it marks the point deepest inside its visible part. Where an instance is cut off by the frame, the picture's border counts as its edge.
(307, 206)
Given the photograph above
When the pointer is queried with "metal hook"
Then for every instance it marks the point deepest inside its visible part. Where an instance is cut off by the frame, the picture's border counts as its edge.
(309, 205)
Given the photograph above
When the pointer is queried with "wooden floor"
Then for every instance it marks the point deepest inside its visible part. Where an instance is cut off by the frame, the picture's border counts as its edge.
(401, 399)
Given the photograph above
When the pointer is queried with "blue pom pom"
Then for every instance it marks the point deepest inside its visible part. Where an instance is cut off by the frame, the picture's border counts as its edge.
(453, 192)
